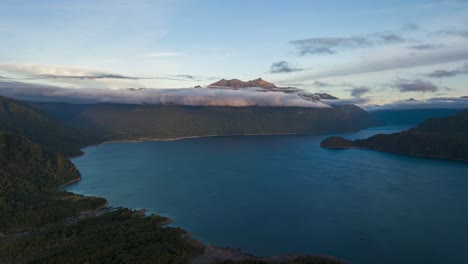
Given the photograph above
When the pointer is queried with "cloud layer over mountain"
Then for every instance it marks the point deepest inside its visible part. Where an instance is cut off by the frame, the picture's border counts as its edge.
(182, 96)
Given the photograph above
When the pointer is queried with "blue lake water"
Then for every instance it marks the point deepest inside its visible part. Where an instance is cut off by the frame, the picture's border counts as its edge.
(272, 195)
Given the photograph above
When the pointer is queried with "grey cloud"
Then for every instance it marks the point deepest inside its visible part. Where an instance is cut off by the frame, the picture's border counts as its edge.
(328, 45)
(183, 96)
(411, 27)
(415, 86)
(333, 45)
(391, 38)
(98, 76)
(359, 91)
(356, 101)
(321, 84)
(356, 91)
(377, 64)
(424, 47)
(282, 67)
(449, 73)
(94, 76)
(458, 33)
(185, 76)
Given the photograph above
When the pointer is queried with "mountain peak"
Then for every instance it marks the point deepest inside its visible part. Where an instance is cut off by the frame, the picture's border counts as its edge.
(236, 83)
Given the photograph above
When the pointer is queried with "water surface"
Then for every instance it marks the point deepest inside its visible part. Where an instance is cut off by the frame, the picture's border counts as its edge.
(272, 195)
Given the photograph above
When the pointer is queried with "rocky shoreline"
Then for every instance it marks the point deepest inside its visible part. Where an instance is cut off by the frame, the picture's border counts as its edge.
(214, 254)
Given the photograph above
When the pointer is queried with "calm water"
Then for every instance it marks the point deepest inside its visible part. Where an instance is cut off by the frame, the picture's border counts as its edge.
(284, 194)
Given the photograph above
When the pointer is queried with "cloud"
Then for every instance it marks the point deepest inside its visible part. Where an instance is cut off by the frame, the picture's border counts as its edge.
(359, 91)
(92, 76)
(98, 76)
(415, 86)
(321, 84)
(391, 38)
(328, 45)
(70, 73)
(424, 47)
(282, 67)
(411, 27)
(356, 90)
(391, 59)
(182, 96)
(333, 45)
(449, 73)
(356, 101)
(185, 76)
(456, 33)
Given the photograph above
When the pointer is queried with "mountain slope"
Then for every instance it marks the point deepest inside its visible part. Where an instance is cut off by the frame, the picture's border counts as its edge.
(25, 168)
(29, 177)
(118, 121)
(40, 128)
(436, 137)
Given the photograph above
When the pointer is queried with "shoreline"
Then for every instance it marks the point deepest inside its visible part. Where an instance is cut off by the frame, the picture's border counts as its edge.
(423, 156)
(211, 253)
(146, 139)
(69, 183)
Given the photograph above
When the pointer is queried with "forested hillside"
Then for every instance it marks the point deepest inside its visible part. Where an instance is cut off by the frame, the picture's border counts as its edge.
(121, 121)
(29, 178)
(39, 223)
(36, 125)
(443, 137)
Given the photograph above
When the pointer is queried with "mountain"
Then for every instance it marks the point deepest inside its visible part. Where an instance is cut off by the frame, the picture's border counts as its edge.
(40, 128)
(235, 83)
(133, 122)
(445, 137)
(113, 121)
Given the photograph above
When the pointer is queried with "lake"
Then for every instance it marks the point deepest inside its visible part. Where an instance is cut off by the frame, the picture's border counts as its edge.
(270, 195)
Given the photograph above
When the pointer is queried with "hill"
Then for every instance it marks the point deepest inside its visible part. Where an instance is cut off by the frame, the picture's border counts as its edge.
(445, 137)
(36, 125)
(29, 177)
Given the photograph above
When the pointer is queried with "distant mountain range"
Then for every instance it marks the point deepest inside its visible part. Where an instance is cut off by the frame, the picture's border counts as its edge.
(138, 122)
(107, 121)
(444, 137)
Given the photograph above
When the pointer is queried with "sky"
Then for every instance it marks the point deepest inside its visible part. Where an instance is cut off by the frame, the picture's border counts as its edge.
(373, 52)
